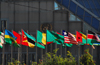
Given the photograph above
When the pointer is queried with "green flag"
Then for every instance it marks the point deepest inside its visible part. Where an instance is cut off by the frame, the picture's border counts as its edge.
(56, 38)
(50, 36)
(33, 38)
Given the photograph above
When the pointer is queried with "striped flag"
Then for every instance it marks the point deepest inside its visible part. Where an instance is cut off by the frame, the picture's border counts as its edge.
(91, 38)
(69, 38)
(98, 37)
(1, 39)
(91, 35)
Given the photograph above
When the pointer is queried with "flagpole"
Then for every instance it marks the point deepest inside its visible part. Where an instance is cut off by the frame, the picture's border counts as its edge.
(65, 50)
(12, 52)
(20, 49)
(27, 53)
(18, 54)
(36, 46)
(86, 37)
(3, 50)
(46, 40)
(78, 54)
(61, 47)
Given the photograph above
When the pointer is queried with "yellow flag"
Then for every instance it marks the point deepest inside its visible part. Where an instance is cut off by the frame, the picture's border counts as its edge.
(44, 38)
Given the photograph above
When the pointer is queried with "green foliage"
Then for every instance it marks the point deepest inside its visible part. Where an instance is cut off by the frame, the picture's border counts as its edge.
(15, 62)
(87, 58)
(53, 59)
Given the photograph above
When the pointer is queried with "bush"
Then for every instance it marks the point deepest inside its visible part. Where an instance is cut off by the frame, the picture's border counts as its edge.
(87, 58)
(53, 59)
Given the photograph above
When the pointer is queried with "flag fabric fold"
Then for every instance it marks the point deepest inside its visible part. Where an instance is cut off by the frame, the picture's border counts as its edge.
(18, 37)
(98, 37)
(1, 39)
(10, 38)
(78, 37)
(24, 39)
(41, 37)
(83, 39)
(32, 41)
(69, 38)
(28, 40)
(91, 38)
(60, 39)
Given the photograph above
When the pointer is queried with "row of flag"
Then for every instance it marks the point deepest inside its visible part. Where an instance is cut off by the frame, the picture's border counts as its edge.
(90, 39)
(42, 39)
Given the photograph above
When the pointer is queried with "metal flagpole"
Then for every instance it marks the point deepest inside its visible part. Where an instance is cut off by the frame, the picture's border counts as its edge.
(61, 47)
(3, 50)
(12, 52)
(46, 40)
(18, 54)
(65, 50)
(27, 32)
(20, 49)
(78, 54)
(36, 47)
(86, 37)
(27, 54)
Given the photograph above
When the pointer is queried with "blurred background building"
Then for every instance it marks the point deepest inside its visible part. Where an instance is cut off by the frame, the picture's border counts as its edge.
(57, 15)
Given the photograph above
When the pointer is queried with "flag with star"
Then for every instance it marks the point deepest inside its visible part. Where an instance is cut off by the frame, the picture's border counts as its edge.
(78, 37)
(69, 38)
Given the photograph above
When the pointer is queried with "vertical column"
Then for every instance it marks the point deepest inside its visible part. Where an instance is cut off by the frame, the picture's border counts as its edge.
(78, 54)
(27, 32)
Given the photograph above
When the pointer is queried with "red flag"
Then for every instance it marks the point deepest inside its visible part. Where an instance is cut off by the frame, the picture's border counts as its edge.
(78, 36)
(24, 39)
(18, 37)
(49, 42)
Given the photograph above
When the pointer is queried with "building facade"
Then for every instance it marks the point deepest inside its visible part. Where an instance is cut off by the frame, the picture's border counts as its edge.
(36, 15)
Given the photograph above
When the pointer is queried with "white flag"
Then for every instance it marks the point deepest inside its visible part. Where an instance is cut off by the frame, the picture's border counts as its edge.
(1, 39)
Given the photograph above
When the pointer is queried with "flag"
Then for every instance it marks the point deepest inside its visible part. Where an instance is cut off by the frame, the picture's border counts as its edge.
(56, 38)
(60, 39)
(50, 36)
(40, 45)
(32, 41)
(98, 37)
(1, 39)
(24, 39)
(41, 38)
(78, 36)
(53, 37)
(69, 38)
(83, 38)
(10, 38)
(28, 40)
(97, 44)
(68, 45)
(18, 37)
(91, 38)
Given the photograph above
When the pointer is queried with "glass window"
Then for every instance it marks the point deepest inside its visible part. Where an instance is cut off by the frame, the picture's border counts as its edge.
(73, 17)
(56, 6)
